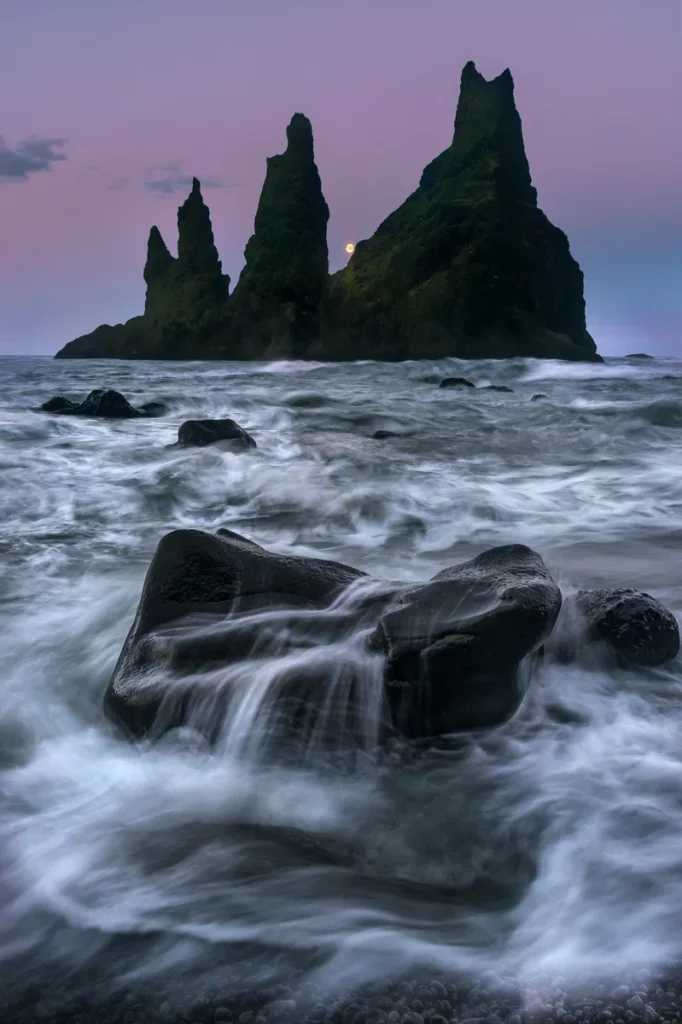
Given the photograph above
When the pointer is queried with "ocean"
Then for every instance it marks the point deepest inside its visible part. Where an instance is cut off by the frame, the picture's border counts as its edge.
(179, 869)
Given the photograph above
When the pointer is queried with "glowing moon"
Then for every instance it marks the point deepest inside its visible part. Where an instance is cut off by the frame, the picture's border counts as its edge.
(350, 248)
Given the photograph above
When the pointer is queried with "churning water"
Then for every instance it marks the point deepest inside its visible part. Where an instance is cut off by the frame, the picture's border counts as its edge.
(176, 858)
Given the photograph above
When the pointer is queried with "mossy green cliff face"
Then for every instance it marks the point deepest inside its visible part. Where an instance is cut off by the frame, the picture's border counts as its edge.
(185, 305)
(468, 265)
(275, 306)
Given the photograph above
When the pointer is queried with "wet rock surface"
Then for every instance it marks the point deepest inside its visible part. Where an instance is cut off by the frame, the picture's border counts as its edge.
(200, 433)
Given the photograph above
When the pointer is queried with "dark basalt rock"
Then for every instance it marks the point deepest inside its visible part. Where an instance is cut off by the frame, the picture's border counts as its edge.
(200, 433)
(468, 266)
(184, 312)
(636, 627)
(456, 382)
(454, 645)
(498, 387)
(192, 573)
(275, 306)
(106, 404)
(538, 397)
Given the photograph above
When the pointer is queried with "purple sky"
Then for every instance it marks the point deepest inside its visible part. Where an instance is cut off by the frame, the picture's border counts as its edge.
(147, 93)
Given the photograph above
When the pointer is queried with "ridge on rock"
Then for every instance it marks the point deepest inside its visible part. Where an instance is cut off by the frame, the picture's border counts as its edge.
(468, 266)
(276, 302)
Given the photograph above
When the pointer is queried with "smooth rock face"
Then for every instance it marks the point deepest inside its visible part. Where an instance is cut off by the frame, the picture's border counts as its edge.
(454, 645)
(468, 266)
(637, 627)
(194, 572)
(200, 433)
(456, 382)
(275, 306)
(106, 404)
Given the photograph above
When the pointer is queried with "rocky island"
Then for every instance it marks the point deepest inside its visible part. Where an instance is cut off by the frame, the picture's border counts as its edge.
(468, 266)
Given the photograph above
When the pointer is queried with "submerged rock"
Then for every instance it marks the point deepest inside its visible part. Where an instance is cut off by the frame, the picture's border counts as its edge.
(538, 397)
(635, 626)
(454, 645)
(106, 404)
(200, 433)
(469, 265)
(456, 382)
(498, 387)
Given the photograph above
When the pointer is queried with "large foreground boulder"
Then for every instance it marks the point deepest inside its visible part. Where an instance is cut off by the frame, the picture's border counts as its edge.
(106, 404)
(452, 647)
(200, 433)
(636, 627)
(197, 574)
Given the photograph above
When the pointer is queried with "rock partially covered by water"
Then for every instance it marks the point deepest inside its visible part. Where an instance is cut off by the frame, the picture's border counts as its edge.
(637, 627)
(106, 404)
(200, 433)
(456, 382)
(454, 646)
(195, 573)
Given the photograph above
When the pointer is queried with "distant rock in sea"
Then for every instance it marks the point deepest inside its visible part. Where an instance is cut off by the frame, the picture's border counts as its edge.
(468, 266)
(275, 306)
(102, 404)
(638, 355)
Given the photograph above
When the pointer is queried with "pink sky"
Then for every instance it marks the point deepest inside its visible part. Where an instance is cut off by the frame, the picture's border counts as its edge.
(208, 86)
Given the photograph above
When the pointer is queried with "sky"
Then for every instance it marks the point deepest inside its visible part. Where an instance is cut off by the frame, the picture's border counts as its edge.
(110, 108)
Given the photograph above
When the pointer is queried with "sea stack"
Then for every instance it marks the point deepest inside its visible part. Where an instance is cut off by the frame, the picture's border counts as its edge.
(468, 266)
(184, 312)
(275, 306)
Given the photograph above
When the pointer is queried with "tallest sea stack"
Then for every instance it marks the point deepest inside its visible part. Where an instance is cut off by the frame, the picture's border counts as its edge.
(469, 265)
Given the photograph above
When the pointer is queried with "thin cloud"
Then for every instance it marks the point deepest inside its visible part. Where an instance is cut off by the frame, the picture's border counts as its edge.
(30, 155)
(167, 179)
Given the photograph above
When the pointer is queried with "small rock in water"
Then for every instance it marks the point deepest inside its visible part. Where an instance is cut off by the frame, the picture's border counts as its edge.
(637, 627)
(382, 435)
(456, 382)
(498, 387)
(99, 404)
(536, 398)
(201, 433)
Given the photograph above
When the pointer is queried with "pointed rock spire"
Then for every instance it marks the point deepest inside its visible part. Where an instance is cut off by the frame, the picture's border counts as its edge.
(468, 265)
(196, 248)
(159, 260)
(287, 261)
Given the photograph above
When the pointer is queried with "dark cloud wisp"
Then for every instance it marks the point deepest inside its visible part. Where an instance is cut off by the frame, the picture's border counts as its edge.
(167, 179)
(30, 155)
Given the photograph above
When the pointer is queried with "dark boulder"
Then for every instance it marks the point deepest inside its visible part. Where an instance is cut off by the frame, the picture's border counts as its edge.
(498, 387)
(538, 397)
(635, 626)
(105, 404)
(384, 435)
(456, 382)
(153, 409)
(200, 433)
(454, 645)
(194, 573)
